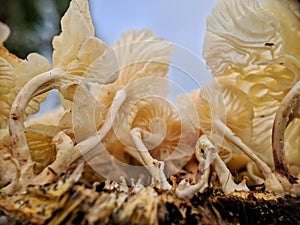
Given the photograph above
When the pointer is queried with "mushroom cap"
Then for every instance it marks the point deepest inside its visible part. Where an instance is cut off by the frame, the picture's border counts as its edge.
(10, 86)
(7, 82)
(165, 132)
(78, 51)
(227, 103)
(34, 64)
(139, 54)
(136, 92)
(137, 50)
(76, 25)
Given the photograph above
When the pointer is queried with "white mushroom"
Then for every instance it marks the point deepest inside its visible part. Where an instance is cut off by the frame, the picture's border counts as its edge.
(253, 49)
(237, 106)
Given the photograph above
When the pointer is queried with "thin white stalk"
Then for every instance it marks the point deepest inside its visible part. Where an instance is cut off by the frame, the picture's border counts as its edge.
(112, 113)
(155, 167)
(20, 150)
(205, 152)
(85, 146)
(18, 141)
(271, 182)
(225, 177)
(212, 156)
(288, 109)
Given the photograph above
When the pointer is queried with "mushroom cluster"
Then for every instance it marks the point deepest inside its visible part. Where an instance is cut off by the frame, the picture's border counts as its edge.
(116, 116)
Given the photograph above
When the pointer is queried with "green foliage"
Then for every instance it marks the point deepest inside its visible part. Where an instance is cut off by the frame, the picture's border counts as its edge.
(33, 24)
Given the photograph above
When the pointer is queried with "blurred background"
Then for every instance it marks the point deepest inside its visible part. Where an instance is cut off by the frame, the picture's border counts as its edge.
(33, 24)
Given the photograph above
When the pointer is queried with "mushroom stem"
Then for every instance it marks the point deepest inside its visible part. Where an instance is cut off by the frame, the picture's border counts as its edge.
(205, 152)
(85, 146)
(288, 109)
(112, 113)
(271, 183)
(18, 142)
(225, 177)
(20, 150)
(155, 167)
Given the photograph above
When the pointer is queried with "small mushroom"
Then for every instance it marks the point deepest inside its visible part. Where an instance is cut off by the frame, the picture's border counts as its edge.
(236, 105)
(217, 101)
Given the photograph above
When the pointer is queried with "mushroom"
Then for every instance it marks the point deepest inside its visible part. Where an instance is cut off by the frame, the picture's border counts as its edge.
(254, 51)
(139, 54)
(11, 67)
(218, 103)
(84, 106)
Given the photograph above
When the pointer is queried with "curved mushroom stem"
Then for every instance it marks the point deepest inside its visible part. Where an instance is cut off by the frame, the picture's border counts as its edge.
(225, 177)
(18, 141)
(288, 109)
(112, 113)
(271, 183)
(38, 85)
(155, 167)
(85, 146)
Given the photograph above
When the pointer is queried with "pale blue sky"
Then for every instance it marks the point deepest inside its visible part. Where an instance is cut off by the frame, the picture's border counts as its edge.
(181, 22)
